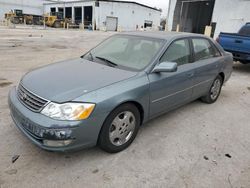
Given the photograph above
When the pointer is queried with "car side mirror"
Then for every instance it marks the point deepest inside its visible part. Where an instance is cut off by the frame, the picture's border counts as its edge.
(165, 67)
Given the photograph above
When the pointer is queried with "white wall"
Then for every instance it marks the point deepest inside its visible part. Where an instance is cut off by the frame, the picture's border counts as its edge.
(230, 15)
(127, 20)
(73, 4)
(28, 6)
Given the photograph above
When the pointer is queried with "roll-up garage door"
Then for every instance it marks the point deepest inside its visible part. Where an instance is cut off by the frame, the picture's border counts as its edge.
(111, 23)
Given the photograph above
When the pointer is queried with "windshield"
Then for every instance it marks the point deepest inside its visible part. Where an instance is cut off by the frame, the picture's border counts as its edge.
(126, 51)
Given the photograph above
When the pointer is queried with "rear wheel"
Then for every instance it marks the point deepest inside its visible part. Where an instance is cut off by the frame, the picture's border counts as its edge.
(214, 91)
(120, 128)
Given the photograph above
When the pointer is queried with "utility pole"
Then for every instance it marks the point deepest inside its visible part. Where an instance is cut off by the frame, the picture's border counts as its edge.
(169, 5)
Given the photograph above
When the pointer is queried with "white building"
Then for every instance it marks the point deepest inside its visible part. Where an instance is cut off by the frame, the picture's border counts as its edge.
(27, 6)
(222, 15)
(108, 14)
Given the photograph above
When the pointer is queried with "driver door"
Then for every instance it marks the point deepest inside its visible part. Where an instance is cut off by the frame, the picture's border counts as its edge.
(171, 89)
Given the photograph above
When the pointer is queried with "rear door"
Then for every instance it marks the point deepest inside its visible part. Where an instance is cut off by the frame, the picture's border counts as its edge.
(207, 63)
(171, 89)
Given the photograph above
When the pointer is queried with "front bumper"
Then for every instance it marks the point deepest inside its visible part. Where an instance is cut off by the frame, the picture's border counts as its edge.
(83, 133)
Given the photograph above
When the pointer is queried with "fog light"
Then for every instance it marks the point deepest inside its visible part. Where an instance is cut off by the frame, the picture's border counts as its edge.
(54, 134)
(57, 143)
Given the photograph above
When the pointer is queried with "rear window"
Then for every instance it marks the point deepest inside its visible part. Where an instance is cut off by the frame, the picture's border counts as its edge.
(203, 49)
(245, 30)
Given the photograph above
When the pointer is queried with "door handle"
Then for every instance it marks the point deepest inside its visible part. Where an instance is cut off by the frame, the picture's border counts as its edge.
(190, 75)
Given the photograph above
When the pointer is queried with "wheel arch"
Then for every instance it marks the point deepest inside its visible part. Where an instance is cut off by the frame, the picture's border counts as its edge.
(223, 76)
(137, 105)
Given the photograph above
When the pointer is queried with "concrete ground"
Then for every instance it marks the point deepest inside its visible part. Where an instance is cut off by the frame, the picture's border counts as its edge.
(198, 145)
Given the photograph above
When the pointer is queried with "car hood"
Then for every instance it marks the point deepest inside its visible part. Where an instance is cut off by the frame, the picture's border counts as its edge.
(67, 80)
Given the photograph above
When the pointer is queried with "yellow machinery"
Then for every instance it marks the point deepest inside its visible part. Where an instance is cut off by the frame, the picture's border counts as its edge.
(55, 19)
(9, 15)
(17, 17)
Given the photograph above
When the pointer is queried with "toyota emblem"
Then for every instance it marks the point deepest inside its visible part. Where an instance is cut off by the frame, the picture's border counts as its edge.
(23, 96)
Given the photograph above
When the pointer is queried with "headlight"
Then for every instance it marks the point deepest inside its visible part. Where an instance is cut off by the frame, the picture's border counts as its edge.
(68, 111)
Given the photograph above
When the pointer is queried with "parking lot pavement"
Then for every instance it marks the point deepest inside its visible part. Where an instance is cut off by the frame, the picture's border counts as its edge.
(197, 145)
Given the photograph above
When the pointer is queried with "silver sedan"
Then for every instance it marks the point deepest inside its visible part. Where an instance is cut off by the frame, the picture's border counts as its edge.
(103, 97)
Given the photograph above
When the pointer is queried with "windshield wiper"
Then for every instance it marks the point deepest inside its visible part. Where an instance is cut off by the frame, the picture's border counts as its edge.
(107, 61)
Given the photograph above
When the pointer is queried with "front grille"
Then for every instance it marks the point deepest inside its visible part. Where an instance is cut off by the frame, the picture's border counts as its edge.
(30, 100)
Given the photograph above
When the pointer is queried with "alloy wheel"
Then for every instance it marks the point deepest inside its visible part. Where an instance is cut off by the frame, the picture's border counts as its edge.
(122, 128)
(215, 89)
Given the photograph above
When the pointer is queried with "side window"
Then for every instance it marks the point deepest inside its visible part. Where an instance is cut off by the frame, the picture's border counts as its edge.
(203, 49)
(178, 52)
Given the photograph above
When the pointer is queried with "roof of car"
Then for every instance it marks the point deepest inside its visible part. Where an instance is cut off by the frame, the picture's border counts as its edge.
(161, 34)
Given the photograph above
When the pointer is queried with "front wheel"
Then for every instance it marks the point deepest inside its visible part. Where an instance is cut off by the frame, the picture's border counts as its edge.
(214, 91)
(120, 128)
(16, 20)
(57, 24)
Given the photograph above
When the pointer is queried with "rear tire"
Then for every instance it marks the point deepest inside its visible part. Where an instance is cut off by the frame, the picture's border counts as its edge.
(214, 91)
(120, 128)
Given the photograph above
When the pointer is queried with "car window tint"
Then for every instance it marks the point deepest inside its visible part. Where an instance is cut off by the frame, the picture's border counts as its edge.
(178, 52)
(216, 51)
(203, 49)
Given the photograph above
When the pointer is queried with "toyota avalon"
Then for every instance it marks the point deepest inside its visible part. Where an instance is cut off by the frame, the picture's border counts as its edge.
(103, 97)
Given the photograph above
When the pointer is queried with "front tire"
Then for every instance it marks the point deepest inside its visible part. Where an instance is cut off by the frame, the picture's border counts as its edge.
(15, 20)
(214, 91)
(120, 128)
(57, 24)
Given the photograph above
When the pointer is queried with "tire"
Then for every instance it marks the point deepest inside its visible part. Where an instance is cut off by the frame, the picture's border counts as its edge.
(214, 91)
(15, 20)
(120, 128)
(57, 24)
(29, 22)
